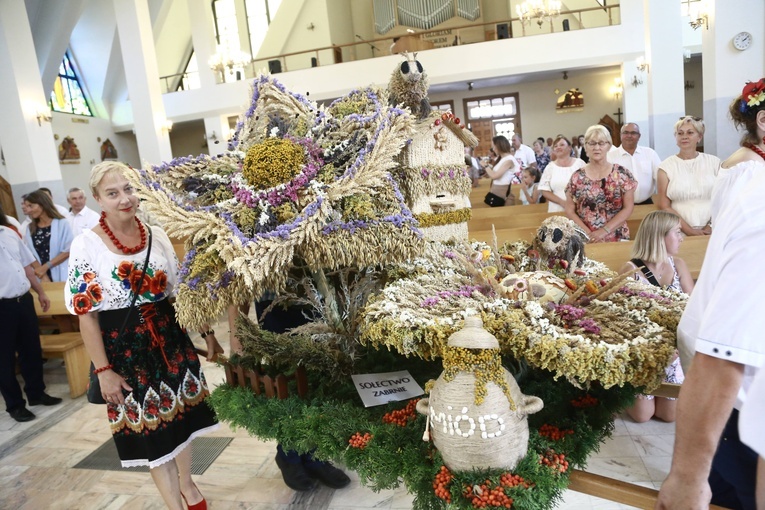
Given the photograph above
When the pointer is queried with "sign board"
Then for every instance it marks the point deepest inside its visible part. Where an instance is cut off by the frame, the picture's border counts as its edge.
(378, 389)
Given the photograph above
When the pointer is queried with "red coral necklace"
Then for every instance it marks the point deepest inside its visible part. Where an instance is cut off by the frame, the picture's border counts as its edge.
(124, 249)
(756, 149)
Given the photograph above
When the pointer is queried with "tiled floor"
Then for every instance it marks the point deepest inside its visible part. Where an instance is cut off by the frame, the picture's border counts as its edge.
(36, 460)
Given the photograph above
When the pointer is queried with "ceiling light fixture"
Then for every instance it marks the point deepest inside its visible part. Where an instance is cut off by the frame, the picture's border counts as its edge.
(538, 10)
(225, 58)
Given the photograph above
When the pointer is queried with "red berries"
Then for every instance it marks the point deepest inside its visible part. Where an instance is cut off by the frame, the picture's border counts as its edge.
(584, 401)
(553, 432)
(441, 484)
(359, 441)
(555, 461)
(401, 417)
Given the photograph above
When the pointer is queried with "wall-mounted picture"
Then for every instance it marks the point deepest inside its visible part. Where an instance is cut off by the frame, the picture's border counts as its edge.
(68, 153)
(108, 151)
(572, 98)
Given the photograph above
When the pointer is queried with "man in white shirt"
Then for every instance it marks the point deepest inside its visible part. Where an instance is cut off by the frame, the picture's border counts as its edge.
(81, 217)
(642, 161)
(20, 330)
(720, 342)
(523, 153)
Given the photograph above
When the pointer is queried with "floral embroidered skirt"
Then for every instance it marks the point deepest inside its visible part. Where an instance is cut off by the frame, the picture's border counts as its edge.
(167, 407)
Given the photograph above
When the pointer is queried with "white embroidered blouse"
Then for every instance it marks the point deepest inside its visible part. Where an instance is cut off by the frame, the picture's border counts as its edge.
(101, 280)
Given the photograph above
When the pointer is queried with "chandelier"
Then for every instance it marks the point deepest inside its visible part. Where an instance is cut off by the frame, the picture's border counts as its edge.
(538, 9)
(227, 59)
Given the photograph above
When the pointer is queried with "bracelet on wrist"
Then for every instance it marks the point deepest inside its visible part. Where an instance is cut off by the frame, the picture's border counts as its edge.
(204, 334)
(608, 231)
(103, 368)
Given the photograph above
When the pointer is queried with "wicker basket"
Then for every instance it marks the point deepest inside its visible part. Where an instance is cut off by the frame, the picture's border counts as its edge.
(493, 434)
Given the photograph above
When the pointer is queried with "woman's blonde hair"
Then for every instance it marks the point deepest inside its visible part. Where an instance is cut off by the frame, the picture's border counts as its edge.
(100, 170)
(599, 133)
(649, 241)
(696, 122)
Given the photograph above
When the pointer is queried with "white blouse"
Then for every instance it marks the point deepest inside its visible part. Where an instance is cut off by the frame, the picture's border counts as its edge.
(555, 179)
(101, 280)
(690, 186)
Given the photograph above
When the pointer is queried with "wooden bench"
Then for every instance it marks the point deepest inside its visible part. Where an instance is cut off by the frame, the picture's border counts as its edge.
(68, 343)
(614, 255)
(532, 215)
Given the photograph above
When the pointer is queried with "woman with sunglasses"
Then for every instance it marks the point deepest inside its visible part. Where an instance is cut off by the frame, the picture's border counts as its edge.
(600, 196)
(684, 181)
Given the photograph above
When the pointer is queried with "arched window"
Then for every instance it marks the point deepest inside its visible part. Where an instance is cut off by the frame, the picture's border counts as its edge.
(67, 95)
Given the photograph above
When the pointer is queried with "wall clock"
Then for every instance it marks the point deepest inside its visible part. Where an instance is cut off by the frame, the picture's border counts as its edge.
(742, 41)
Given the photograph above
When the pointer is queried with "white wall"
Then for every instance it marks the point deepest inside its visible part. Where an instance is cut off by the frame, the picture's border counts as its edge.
(188, 139)
(537, 103)
(86, 137)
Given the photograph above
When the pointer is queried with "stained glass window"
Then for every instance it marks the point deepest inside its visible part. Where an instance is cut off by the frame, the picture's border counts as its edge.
(67, 95)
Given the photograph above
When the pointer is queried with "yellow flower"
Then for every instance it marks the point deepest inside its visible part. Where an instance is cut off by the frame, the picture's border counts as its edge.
(271, 162)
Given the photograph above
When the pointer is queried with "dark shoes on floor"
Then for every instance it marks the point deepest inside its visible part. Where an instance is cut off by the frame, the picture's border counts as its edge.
(327, 474)
(300, 476)
(45, 400)
(22, 414)
(294, 474)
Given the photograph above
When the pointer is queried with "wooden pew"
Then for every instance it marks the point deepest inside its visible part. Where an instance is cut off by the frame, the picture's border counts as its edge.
(67, 344)
(614, 255)
(534, 215)
(525, 233)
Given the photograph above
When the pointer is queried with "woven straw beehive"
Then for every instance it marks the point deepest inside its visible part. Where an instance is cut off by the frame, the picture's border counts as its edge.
(473, 432)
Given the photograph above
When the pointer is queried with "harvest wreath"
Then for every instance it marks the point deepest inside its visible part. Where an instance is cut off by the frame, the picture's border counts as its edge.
(303, 205)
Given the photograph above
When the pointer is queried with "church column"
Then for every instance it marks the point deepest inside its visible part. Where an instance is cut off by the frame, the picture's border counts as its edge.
(635, 86)
(30, 152)
(725, 69)
(203, 39)
(664, 54)
(140, 60)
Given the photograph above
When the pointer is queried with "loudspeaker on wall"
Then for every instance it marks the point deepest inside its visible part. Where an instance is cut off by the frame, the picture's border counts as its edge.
(503, 31)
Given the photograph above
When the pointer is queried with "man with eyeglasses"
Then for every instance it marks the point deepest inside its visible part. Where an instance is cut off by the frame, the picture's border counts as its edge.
(642, 161)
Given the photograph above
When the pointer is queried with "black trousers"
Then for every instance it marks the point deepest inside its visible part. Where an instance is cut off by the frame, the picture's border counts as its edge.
(734, 470)
(20, 334)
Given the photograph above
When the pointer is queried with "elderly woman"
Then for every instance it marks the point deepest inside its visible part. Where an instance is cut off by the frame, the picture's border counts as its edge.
(48, 236)
(542, 158)
(600, 196)
(149, 373)
(553, 182)
(685, 180)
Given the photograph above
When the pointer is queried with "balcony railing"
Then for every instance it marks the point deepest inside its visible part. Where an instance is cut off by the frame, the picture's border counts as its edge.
(578, 19)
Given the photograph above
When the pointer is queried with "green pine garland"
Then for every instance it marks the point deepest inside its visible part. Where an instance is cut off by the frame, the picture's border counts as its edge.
(395, 455)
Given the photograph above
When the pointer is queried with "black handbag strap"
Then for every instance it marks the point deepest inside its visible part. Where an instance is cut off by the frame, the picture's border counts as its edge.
(135, 294)
(646, 272)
